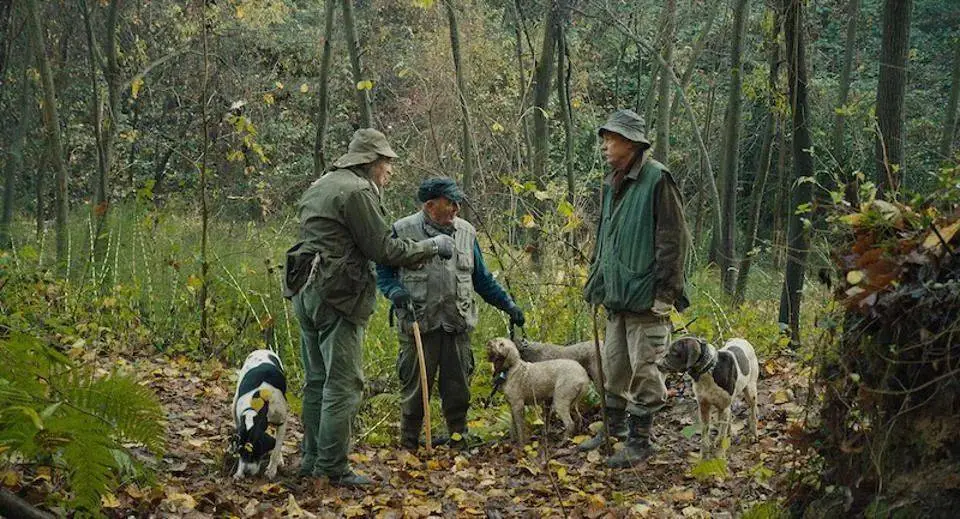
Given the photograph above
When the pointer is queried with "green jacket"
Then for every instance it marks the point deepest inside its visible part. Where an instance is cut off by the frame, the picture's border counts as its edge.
(343, 230)
(641, 242)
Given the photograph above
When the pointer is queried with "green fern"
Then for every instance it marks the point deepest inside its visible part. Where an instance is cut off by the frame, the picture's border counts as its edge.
(56, 413)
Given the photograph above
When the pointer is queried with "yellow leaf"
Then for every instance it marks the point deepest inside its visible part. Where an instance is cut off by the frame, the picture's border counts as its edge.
(181, 502)
(10, 478)
(265, 394)
(433, 465)
(365, 85)
(268, 98)
(932, 240)
(781, 397)
(304, 88)
(576, 103)
(240, 12)
(456, 436)
(109, 500)
(279, 85)
(136, 86)
(271, 488)
(854, 277)
(527, 221)
(256, 404)
(496, 128)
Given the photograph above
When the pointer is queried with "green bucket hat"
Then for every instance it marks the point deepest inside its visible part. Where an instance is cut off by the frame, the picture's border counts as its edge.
(439, 186)
(366, 146)
(627, 123)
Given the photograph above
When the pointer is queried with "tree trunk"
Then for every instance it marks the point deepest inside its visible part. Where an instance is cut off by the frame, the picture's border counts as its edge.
(204, 331)
(353, 48)
(467, 145)
(6, 14)
(763, 170)
(891, 88)
(731, 153)
(51, 121)
(839, 149)
(698, 47)
(798, 239)
(661, 149)
(950, 118)
(319, 152)
(15, 155)
(519, 29)
(563, 99)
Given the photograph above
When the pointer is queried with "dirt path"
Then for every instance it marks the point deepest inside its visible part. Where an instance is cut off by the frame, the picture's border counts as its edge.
(494, 480)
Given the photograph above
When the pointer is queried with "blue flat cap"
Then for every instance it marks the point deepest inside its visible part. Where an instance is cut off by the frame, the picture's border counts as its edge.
(439, 186)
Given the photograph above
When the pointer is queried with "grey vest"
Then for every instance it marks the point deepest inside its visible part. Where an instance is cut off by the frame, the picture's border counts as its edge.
(442, 290)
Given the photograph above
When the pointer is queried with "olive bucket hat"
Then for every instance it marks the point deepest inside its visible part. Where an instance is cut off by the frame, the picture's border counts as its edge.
(439, 186)
(366, 146)
(627, 123)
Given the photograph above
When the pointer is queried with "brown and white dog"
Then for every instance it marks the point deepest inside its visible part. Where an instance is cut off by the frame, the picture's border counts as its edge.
(260, 400)
(563, 381)
(718, 377)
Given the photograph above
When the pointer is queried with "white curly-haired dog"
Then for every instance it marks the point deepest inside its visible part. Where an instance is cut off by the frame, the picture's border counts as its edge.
(562, 381)
(718, 377)
(585, 353)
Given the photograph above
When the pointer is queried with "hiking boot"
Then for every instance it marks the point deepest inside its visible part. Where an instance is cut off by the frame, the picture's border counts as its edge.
(618, 428)
(638, 447)
(351, 480)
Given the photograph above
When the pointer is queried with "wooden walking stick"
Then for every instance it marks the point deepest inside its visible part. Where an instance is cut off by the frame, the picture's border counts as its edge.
(603, 382)
(424, 386)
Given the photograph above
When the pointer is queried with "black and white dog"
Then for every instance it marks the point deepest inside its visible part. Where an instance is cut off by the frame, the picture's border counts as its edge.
(260, 400)
(718, 377)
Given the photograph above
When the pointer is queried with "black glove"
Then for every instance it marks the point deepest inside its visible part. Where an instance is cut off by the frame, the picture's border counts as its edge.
(444, 245)
(516, 315)
(400, 298)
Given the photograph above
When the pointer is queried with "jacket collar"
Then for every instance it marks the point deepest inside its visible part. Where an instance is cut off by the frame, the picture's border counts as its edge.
(705, 362)
(636, 167)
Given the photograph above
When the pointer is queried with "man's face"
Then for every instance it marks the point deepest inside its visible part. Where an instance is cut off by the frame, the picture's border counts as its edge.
(442, 210)
(380, 171)
(618, 150)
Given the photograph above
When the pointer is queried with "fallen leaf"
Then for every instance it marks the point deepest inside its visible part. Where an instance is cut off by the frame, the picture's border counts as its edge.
(109, 500)
(781, 396)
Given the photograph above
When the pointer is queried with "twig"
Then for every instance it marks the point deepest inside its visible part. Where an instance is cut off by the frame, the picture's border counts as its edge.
(942, 241)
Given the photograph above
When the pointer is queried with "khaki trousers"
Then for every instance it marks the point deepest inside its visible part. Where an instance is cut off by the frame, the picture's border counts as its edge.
(633, 345)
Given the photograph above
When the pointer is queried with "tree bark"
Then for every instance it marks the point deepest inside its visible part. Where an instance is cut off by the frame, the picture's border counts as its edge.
(563, 99)
(763, 169)
(11, 505)
(850, 48)
(698, 47)
(204, 217)
(731, 152)
(319, 151)
(798, 239)
(15, 154)
(51, 120)
(661, 149)
(891, 88)
(950, 118)
(468, 148)
(353, 48)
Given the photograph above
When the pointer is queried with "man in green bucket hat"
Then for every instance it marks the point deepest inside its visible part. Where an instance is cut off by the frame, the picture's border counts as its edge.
(330, 278)
(637, 275)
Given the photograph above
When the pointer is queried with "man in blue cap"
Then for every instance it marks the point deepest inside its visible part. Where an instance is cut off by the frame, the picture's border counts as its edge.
(637, 275)
(440, 293)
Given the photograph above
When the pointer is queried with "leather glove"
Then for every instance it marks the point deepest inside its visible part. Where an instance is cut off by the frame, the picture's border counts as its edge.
(516, 315)
(661, 309)
(400, 298)
(443, 245)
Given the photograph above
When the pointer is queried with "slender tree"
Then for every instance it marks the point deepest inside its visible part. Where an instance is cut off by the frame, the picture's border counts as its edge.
(763, 166)
(891, 88)
(51, 121)
(468, 148)
(323, 102)
(353, 48)
(731, 151)
(204, 216)
(840, 153)
(662, 148)
(15, 153)
(950, 117)
(798, 239)
(566, 112)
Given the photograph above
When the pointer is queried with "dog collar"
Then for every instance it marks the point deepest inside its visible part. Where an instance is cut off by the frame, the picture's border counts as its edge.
(706, 361)
(498, 381)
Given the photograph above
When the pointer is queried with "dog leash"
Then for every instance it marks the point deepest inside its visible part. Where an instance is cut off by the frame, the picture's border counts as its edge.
(498, 381)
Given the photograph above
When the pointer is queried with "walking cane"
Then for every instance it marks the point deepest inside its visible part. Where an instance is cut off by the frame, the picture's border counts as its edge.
(424, 388)
(603, 382)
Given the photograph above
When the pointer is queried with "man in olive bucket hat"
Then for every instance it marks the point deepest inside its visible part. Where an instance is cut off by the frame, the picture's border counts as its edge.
(330, 277)
(637, 275)
(441, 294)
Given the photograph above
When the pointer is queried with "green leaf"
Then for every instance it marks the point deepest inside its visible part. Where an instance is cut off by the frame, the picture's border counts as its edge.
(709, 469)
(31, 414)
(690, 430)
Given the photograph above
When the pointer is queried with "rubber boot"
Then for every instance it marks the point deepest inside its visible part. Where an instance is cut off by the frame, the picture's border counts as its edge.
(410, 433)
(638, 447)
(618, 428)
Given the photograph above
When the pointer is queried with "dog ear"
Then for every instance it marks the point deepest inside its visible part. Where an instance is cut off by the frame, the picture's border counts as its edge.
(692, 350)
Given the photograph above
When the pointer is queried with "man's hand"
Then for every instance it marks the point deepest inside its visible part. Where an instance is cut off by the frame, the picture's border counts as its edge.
(516, 315)
(661, 309)
(400, 298)
(444, 245)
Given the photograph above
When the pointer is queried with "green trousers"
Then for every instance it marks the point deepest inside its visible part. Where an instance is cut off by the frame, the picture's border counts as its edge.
(632, 346)
(330, 347)
(448, 353)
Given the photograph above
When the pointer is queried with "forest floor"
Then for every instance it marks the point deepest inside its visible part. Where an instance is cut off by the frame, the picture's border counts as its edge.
(492, 480)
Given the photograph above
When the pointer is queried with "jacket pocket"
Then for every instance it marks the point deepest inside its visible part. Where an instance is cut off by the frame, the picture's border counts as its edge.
(628, 289)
